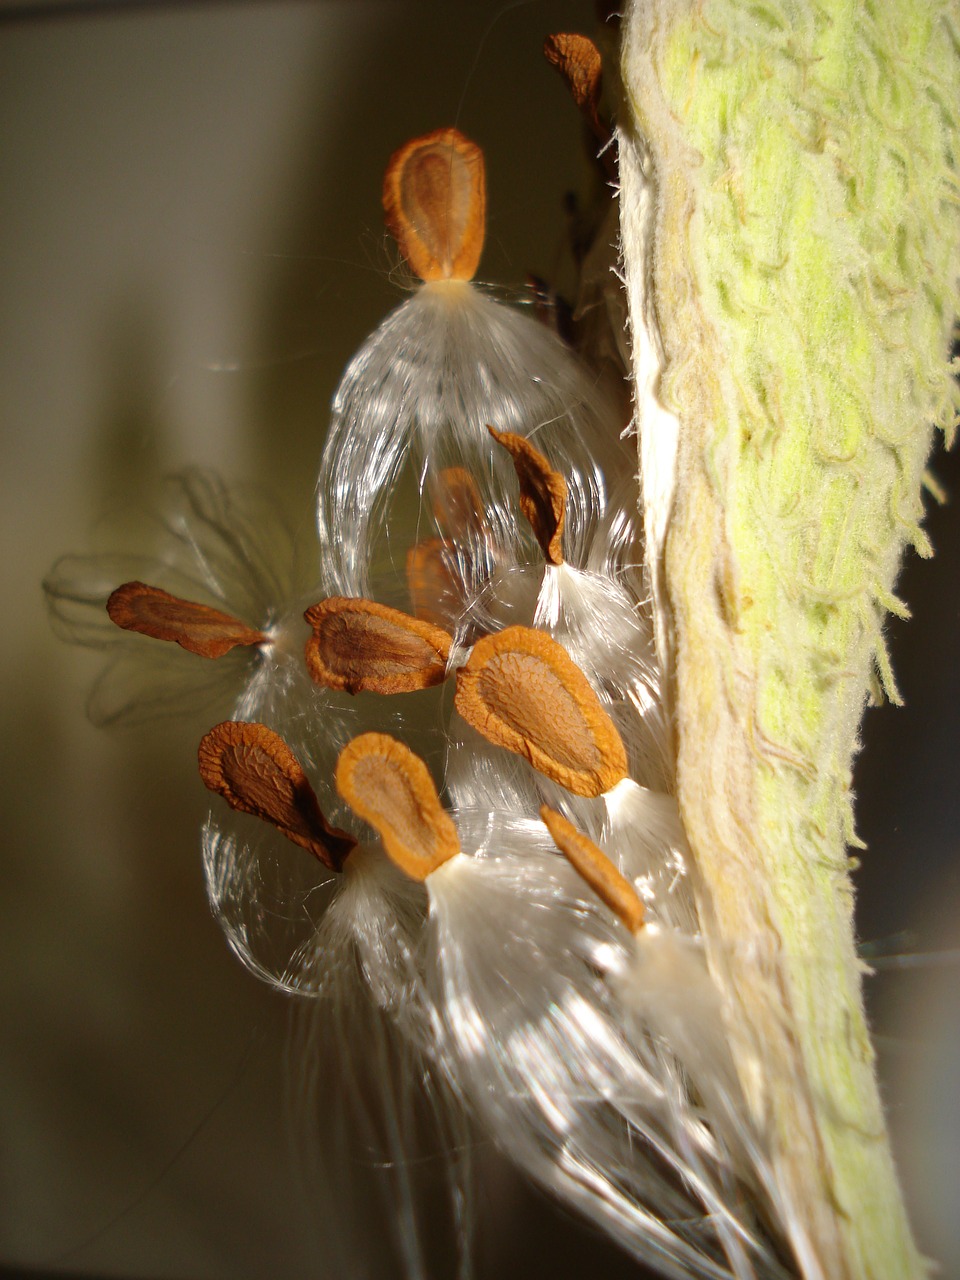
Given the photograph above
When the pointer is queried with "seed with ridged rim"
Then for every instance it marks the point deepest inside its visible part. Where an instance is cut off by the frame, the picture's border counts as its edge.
(523, 691)
(613, 889)
(434, 199)
(150, 611)
(390, 787)
(578, 60)
(256, 772)
(543, 492)
(361, 646)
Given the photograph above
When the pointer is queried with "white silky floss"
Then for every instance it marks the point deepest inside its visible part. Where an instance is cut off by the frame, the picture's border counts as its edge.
(366, 1065)
(529, 967)
(418, 396)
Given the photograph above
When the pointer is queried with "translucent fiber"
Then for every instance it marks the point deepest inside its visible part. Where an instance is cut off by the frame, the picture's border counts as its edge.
(417, 398)
(529, 964)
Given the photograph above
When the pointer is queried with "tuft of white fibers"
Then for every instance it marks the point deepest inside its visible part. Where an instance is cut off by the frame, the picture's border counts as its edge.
(530, 966)
(378, 1119)
(416, 400)
(373, 1102)
(290, 919)
(644, 838)
(385, 1147)
(668, 997)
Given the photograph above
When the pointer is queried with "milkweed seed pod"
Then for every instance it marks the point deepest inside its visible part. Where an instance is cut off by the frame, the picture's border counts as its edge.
(790, 232)
(414, 403)
(650, 999)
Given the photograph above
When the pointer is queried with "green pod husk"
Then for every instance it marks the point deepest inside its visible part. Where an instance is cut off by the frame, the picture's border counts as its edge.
(790, 225)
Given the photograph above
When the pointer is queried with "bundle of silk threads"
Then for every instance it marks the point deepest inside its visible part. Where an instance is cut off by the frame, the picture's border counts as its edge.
(443, 816)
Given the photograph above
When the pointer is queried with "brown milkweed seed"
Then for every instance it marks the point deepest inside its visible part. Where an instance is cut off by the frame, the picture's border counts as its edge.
(578, 61)
(613, 889)
(391, 788)
(523, 691)
(256, 772)
(135, 606)
(358, 645)
(543, 493)
(458, 507)
(436, 593)
(434, 199)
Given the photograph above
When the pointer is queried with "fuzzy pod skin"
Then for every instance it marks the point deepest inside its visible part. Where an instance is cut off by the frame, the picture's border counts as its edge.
(790, 236)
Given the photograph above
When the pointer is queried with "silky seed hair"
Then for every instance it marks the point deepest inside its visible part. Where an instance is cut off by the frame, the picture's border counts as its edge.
(220, 553)
(529, 965)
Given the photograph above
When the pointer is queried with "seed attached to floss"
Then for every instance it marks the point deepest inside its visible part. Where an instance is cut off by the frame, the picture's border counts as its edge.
(613, 889)
(361, 646)
(521, 690)
(199, 629)
(543, 493)
(390, 787)
(434, 199)
(256, 772)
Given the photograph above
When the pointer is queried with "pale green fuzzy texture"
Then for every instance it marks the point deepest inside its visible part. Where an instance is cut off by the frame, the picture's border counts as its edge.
(805, 277)
(832, 247)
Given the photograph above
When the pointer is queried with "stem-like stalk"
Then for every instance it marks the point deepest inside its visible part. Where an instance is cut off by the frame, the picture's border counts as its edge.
(790, 231)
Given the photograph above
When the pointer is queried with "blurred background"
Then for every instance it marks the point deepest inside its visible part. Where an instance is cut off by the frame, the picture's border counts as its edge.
(191, 249)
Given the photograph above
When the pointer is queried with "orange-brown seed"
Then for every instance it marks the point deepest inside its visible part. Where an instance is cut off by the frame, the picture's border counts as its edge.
(543, 492)
(150, 611)
(521, 690)
(595, 867)
(359, 645)
(390, 787)
(256, 772)
(578, 60)
(434, 199)
(436, 594)
(457, 505)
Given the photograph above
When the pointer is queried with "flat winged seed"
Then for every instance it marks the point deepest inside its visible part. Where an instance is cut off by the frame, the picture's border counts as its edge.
(256, 772)
(613, 889)
(361, 646)
(434, 199)
(522, 690)
(390, 787)
(578, 61)
(543, 492)
(135, 606)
